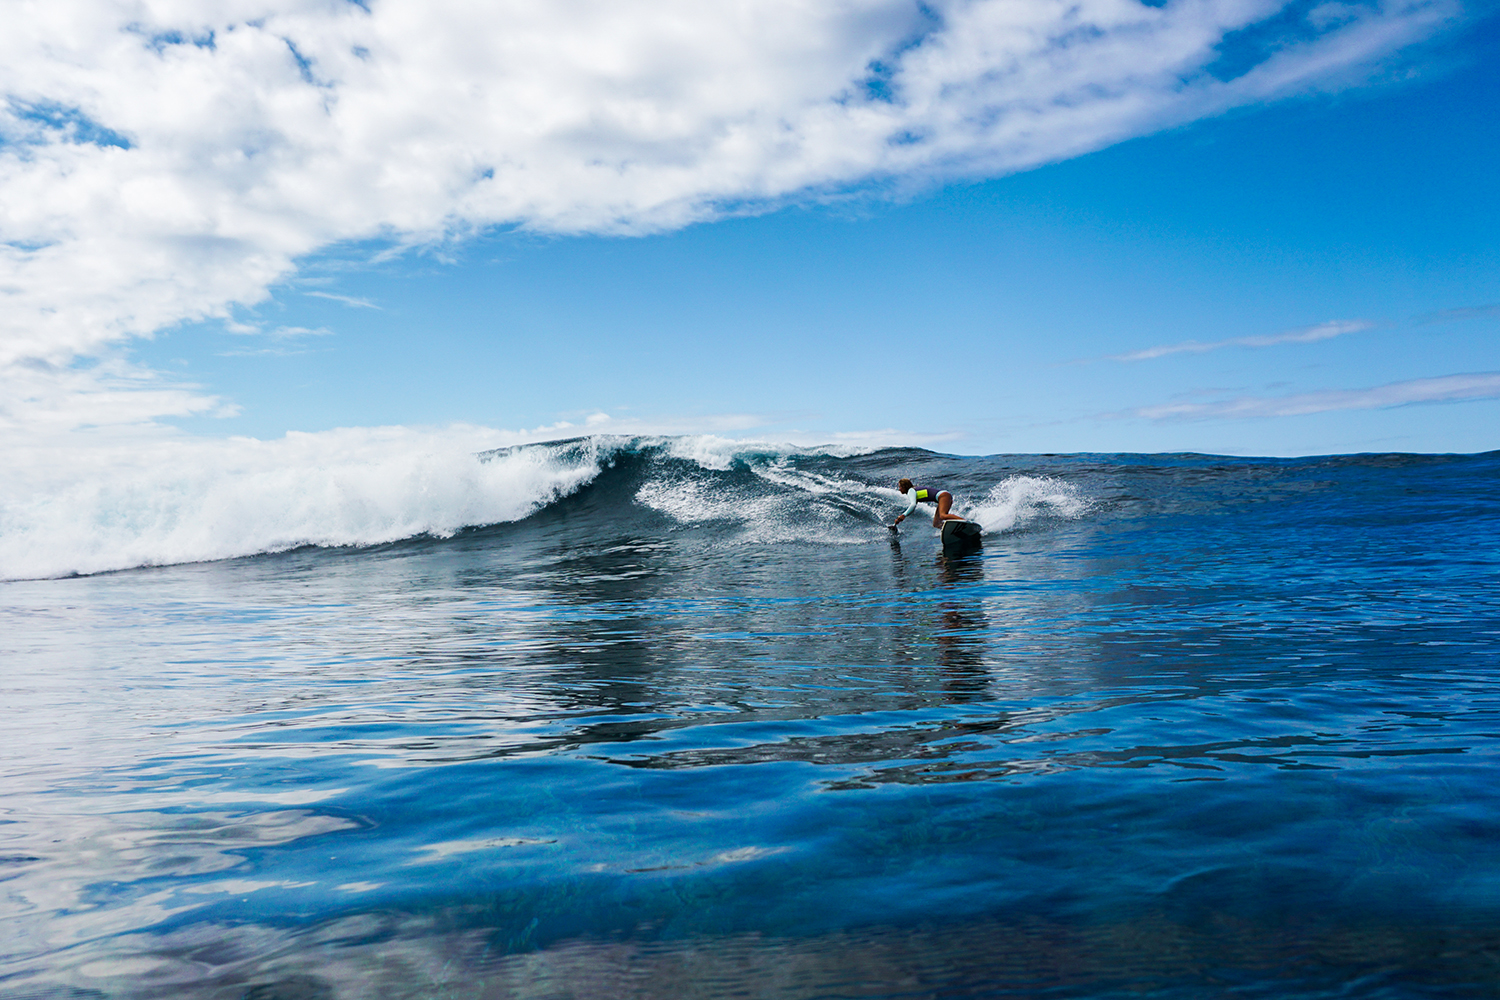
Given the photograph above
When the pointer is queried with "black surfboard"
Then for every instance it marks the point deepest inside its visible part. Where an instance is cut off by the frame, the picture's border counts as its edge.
(960, 537)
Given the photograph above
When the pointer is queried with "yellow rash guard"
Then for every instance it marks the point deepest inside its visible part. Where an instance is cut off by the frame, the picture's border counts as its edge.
(916, 495)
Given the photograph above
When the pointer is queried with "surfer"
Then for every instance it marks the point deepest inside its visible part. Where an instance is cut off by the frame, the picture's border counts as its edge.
(916, 494)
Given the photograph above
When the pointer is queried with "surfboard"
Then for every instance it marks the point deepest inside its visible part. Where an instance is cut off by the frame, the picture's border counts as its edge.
(960, 537)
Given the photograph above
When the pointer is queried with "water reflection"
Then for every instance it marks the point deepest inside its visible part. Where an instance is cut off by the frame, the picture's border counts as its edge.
(963, 633)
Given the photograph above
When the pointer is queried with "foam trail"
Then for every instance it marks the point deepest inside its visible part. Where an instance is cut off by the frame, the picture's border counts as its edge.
(787, 515)
(1018, 500)
(192, 500)
(797, 507)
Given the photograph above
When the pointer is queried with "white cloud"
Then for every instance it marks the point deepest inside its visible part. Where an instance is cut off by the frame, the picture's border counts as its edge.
(39, 401)
(1303, 335)
(348, 300)
(297, 332)
(1443, 389)
(286, 340)
(165, 161)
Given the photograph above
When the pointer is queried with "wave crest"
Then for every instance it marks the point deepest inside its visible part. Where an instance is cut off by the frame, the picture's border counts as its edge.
(200, 501)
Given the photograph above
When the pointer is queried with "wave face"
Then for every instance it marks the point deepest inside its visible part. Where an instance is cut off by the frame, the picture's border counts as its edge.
(250, 497)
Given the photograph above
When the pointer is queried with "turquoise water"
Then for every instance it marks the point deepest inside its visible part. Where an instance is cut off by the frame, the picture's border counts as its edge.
(1185, 726)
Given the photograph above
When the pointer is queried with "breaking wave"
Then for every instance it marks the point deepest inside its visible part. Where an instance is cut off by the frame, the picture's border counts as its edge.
(202, 501)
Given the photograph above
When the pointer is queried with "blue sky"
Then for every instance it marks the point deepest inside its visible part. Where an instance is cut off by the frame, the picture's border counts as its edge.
(1278, 238)
(980, 314)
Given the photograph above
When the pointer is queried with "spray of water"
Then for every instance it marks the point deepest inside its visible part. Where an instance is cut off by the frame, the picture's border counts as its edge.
(1018, 501)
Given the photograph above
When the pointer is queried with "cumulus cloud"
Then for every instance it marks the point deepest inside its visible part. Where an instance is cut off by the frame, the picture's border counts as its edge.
(1443, 389)
(168, 160)
(1302, 335)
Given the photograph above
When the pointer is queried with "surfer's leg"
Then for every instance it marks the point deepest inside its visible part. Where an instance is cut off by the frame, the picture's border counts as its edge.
(944, 510)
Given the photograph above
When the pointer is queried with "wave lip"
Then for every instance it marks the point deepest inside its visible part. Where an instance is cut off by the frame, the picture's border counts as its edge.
(203, 501)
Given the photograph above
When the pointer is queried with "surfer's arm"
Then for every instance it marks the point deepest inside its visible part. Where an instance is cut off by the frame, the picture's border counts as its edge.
(911, 505)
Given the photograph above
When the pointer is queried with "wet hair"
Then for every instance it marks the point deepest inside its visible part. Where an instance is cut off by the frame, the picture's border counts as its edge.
(904, 485)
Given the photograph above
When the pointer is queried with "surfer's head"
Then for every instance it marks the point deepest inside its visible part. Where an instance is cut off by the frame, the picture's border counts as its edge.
(904, 485)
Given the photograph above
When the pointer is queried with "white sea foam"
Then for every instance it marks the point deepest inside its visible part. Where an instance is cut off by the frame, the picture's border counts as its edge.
(694, 501)
(1019, 500)
(188, 500)
(790, 513)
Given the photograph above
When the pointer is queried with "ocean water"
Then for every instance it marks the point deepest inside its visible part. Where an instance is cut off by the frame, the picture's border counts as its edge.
(680, 718)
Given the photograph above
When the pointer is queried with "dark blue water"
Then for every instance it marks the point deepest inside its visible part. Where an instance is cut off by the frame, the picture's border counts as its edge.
(1185, 727)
